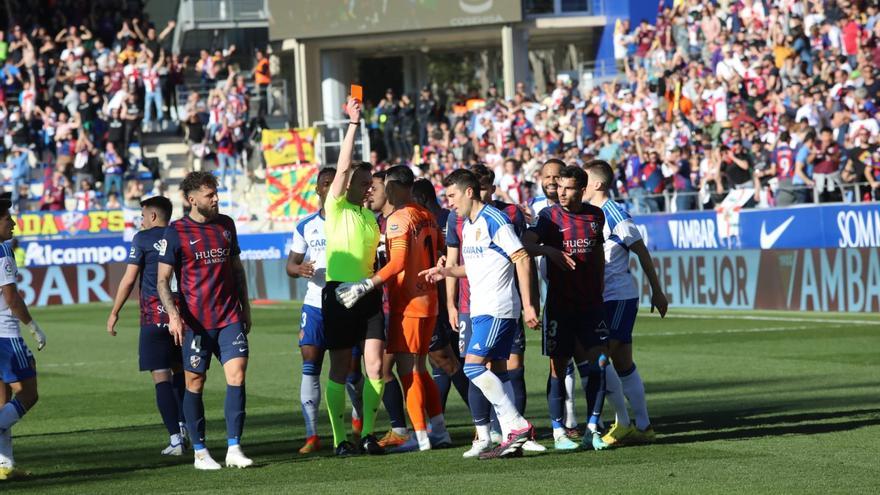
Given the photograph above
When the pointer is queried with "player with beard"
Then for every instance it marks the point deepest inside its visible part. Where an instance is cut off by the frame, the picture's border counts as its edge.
(213, 318)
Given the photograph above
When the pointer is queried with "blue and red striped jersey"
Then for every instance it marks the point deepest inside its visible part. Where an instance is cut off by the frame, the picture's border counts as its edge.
(579, 235)
(514, 214)
(454, 226)
(144, 253)
(201, 254)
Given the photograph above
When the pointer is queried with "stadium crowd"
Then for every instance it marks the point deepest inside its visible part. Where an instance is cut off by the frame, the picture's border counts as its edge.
(777, 98)
(81, 82)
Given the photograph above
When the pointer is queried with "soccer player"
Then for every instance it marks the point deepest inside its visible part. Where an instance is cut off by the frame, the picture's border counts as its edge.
(621, 300)
(550, 171)
(157, 352)
(569, 236)
(516, 362)
(18, 370)
(352, 238)
(492, 255)
(392, 395)
(412, 244)
(446, 364)
(307, 260)
(214, 317)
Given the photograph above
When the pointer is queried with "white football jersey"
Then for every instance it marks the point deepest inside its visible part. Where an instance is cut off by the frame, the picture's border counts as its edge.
(8, 273)
(486, 246)
(309, 239)
(620, 233)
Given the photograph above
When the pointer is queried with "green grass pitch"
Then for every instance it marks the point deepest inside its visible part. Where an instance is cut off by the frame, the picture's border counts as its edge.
(742, 403)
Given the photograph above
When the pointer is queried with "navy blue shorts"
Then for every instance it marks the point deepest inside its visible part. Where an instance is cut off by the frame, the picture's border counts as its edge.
(442, 332)
(156, 349)
(16, 360)
(563, 328)
(465, 329)
(621, 317)
(226, 343)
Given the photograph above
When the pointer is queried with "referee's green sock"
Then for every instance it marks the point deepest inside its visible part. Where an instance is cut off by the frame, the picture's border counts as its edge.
(372, 397)
(335, 395)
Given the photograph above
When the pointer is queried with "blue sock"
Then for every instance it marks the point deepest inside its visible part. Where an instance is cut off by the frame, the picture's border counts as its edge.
(595, 388)
(233, 410)
(194, 411)
(462, 385)
(444, 383)
(479, 405)
(166, 401)
(178, 381)
(556, 401)
(392, 399)
(517, 379)
(354, 383)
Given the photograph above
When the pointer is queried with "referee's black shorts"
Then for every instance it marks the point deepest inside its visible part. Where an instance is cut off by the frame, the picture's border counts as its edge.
(346, 328)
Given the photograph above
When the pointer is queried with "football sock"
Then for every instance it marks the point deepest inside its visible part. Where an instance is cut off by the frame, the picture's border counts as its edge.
(443, 383)
(430, 394)
(335, 398)
(392, 399)
(634, 390)
(594, 389)
(479, 406)
(555, 401)
(372, 397)
(166, 401)
(461, 384)
(493, 388)
(518, 382)
(194, 411)
(234, 411)
(178, 381)
(354, 385)
(414, 401)
(483, 432)
(10, 413)
(614, 393)
(310, 396)
(570, 416)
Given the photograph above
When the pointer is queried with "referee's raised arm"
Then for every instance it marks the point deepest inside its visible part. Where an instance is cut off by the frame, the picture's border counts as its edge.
(343, 167)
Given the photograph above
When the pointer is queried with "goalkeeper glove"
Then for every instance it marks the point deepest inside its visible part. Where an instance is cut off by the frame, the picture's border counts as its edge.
(38, 334)
(349, 293)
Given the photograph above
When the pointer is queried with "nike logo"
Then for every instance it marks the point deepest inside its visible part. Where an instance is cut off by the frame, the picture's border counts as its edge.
(242, 349)
(563, 230)
(193, 242)
(769, 239)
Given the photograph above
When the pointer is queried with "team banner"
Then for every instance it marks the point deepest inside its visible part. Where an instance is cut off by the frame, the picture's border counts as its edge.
(60, 224)
(289, 146)
(808, 226)
(291, 191)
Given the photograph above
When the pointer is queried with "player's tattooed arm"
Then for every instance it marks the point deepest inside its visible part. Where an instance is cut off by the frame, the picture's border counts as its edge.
(163, 287)
(241, 283)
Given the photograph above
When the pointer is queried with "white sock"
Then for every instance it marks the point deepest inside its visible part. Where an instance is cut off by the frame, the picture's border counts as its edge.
(634, 390)
(558, 433)
(6, 459)
(614, 393)
(438, 425)
(310, 398)
(9, 416)
(493, 390)
(483, 433)
(176, 439)
(570, 416)
(424, 441)
(400, 431)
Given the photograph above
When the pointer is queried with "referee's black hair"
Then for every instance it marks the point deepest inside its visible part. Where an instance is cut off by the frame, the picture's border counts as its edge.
(195, 180)
(161, 204)
(401, 174)
(463, 179)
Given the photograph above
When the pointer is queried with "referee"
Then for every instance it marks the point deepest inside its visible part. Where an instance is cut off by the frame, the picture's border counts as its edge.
(352, 238)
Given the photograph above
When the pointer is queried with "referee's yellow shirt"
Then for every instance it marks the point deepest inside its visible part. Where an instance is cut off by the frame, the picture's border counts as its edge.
(352, 238)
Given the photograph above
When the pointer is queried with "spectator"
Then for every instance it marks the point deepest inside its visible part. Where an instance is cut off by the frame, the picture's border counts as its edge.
(85, 196)
(17, 162)
(54, 190)
(826, 168)
(113, 171)
(112, 202)
(262, 81)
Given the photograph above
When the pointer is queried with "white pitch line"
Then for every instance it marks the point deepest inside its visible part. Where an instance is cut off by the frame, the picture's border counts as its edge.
(761, 318)
(734, 330)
